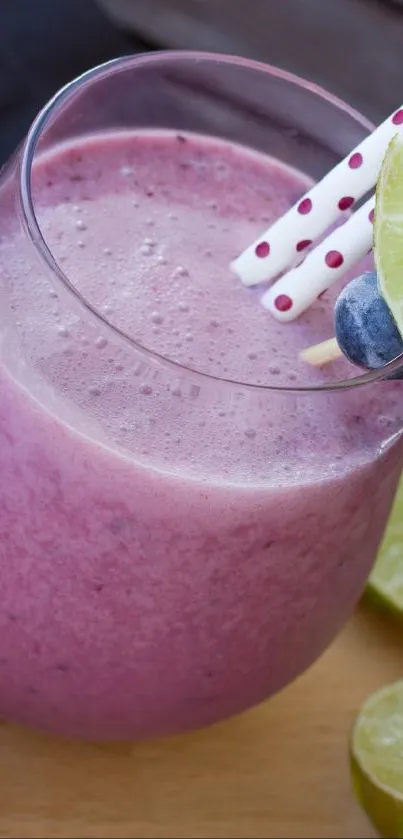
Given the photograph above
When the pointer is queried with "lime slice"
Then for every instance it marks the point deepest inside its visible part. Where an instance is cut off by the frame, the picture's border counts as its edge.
(385, 584)
(388, 230)
(376, 750)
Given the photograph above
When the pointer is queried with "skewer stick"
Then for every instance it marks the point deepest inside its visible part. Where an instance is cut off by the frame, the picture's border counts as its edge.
(319, 354)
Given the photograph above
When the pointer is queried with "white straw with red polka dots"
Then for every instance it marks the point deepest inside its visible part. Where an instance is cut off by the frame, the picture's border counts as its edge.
(281, 246)
(295, 291)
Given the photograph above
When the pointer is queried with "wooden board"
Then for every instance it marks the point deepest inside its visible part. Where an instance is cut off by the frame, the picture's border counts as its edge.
(280, 770)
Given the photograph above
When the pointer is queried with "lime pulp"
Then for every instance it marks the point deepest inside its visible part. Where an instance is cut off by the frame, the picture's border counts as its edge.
(388, 230)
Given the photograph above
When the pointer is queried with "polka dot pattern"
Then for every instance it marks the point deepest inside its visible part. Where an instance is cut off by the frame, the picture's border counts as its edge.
(283, 303)
(371, 215)
(304, 243)
(346, 202)
(304, 206)
(397, 118)
(262, 250)
(334, 259)
(356, 160)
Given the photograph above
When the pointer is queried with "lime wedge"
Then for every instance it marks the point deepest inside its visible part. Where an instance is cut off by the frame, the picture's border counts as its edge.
(385, 584)
(388, 230)
(376, 750)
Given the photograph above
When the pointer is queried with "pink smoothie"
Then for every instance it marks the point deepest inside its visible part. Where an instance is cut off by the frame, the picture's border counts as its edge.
(174, 548)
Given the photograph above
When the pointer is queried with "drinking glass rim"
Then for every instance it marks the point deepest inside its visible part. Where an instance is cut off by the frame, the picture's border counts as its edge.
(35, 236)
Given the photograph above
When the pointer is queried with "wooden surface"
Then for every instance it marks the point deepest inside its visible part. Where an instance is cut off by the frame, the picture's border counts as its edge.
(277, 771)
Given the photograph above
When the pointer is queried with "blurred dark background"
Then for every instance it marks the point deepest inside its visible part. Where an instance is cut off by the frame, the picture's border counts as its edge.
(352, 47)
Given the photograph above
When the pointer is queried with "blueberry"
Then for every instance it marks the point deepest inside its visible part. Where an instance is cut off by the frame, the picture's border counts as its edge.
(365, 329)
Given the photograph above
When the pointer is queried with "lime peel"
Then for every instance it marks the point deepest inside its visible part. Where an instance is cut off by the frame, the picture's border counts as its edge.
(385, 584)
(388, 230)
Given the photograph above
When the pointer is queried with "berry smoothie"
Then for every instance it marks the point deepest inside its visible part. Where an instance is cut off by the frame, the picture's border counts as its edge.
(175, 545)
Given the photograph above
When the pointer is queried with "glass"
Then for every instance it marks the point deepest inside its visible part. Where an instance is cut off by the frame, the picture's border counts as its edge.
(159, 580)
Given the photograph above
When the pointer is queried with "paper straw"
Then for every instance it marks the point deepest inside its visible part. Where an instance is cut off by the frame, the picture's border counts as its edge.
(299, 288)
(280, 246)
